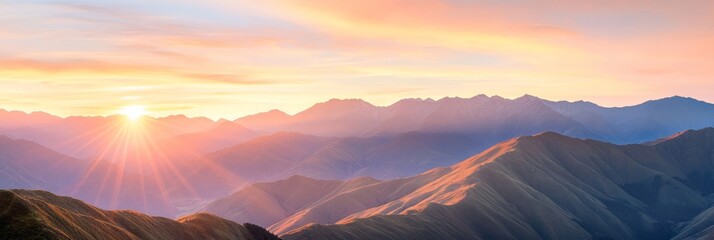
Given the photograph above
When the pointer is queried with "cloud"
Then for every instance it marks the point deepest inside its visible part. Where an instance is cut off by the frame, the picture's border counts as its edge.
(89, 66)
(483, 28)
(53, 69)
(291, 53)
(227, 78)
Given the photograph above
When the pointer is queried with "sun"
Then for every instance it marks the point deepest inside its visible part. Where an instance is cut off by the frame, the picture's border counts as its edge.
(133, 112)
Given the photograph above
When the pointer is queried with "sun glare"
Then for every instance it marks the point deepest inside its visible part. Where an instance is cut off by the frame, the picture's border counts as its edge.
(133, 112)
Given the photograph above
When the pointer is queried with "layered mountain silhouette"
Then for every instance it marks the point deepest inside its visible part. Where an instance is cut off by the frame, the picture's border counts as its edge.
(269, 203)
(415, 135)
(281, 155)
(28, 165)
(489, 119)
(493, 118)
(174, 165)
(546, 186)
(25, 164)
(224, 134)
(86, 137)
(42, 215)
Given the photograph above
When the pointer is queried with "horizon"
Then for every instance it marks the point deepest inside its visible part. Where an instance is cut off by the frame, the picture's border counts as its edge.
(149, 113)
(83, 57)
(371, 119)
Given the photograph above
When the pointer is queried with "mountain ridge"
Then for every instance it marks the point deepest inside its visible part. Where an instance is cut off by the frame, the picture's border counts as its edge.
(36, 214)
(560, 189)
(628, 124)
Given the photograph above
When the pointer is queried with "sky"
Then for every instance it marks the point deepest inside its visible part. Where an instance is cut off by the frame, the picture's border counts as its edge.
(230, 58)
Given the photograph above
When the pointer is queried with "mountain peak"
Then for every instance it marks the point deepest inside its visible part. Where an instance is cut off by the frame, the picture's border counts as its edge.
(416, 100)
(707, 132)
(551, 136)
(676, 99)
(337, 106)
(527, 97)
(347, 101)
(451, 99)
(259, 120)
(276, 112)
(479, 96)
(174, 116)
(225, 125)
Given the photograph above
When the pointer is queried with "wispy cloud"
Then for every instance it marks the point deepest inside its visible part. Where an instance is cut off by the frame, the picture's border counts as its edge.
(255, 56)
(227, 78)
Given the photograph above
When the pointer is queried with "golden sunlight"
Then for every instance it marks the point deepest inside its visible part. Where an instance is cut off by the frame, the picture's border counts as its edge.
(133, 112)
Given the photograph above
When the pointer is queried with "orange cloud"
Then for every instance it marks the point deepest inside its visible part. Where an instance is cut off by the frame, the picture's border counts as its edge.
(99, 68)
(12, 65)
(227, 78)
(433, 23)
(289, 54)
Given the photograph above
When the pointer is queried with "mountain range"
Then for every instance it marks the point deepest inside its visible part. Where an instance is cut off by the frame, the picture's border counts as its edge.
(546, 186)
(489, 119)
(347, 169)
(337, 139)
(493, 118)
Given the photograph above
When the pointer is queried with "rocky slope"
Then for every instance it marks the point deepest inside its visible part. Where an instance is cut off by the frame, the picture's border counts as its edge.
(42, 215)
(546, 186)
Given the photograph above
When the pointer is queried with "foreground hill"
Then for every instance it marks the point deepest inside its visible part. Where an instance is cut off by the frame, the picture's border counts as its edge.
(546, 186)
(42, 215)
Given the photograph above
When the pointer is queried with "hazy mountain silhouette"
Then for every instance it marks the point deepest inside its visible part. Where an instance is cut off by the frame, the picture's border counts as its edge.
(224, 134)
(271, 202)
(174, 164)
(264, 121)
(88, 137)
(28, 165)
(545, 186)
(647, 121)
(493, 119)
(42, 215)
(281, 155)
(25, 164)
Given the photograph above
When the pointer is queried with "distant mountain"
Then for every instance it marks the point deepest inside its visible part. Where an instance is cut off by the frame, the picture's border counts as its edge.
(281, 155)
(547, 186)
(265, 121)
(25, 164)
(269, 203)
(224, 134)
(87, 137)
(42, 215)
(644, 122)
(336, 117)
(176, 164)
(263, 158)
(493, 119)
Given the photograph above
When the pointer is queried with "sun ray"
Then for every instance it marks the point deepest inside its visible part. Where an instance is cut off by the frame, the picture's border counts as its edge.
(133, 112)
(140, 163)
(97, 160)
